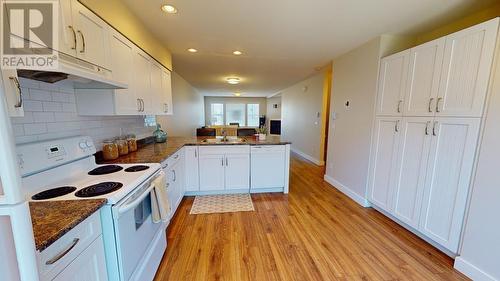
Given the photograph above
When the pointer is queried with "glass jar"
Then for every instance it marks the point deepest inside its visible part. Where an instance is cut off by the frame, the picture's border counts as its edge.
(132, 143)
(109, 150)
(122, 146)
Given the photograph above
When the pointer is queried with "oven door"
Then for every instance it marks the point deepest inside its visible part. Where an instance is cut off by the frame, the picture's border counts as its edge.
(134, 229)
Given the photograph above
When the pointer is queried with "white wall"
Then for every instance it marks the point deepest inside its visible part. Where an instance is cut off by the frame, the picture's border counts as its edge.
(355, 76)
(50, 112)
(301, 117)
(188, 109)
(479, 257)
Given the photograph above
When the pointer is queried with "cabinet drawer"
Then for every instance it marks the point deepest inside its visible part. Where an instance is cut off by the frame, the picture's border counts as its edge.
(224, 149)
(57, 256)
(173, 159)
(267, 148)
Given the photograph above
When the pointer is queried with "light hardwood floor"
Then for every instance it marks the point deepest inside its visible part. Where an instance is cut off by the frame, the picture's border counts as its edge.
(314, 233)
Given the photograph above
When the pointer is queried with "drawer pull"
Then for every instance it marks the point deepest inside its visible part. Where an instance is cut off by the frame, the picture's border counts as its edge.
(63, 253)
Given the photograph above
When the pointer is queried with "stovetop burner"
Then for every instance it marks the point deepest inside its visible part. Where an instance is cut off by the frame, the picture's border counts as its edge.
(137, 168)
(103, 170)
(98, 189)
(53, 193)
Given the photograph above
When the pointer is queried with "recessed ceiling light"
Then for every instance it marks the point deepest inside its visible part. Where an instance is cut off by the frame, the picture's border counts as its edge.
(237, 53)
(237, 94)
(233, 80)
(169, 9)
(192, 50)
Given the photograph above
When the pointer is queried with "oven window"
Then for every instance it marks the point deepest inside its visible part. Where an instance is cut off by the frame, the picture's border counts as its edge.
(142, 211)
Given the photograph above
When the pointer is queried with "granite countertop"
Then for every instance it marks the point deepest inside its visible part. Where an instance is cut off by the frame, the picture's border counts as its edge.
(158, 152)
(52, 219)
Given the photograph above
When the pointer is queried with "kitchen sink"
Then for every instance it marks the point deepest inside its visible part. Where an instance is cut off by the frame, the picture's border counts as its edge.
(228, 140)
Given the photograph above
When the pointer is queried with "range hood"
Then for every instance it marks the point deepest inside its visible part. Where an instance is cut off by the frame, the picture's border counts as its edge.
(82, 74)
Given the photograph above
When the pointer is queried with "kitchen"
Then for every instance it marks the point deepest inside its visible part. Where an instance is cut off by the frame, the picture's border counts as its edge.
(92, 188)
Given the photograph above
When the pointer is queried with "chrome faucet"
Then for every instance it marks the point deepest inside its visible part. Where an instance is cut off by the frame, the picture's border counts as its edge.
(224, 135)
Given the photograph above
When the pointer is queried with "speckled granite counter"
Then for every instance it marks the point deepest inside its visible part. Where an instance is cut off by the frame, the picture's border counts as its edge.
(53, 219)
(158, 152)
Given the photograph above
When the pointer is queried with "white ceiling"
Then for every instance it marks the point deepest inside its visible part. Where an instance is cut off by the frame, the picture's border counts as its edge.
(283, 41)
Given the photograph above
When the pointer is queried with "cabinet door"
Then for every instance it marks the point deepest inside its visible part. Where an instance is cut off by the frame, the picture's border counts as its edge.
(423, 78)
(267, 167)
(192, 171)
(92, 35)
(157, 103)
(237, 174)
(211, 172)
(451, 161)
(410, 177)
(67, 31)
(122, 58)
(384, 161)
(391, 85)
(142, 84)
(89, 265)
(13, 92)
(466, 69)
(166, 88)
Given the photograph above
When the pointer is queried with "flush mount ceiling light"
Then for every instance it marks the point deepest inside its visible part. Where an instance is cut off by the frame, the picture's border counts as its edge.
(169, 9)
(233, 80)
(192, 50)
(237, 53)
(237, 94)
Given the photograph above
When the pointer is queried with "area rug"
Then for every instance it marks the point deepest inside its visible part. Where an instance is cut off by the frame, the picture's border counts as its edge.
(211, 204)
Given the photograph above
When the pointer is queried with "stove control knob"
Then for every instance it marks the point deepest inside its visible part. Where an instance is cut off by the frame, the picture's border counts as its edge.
(89, 143)
(83, 145)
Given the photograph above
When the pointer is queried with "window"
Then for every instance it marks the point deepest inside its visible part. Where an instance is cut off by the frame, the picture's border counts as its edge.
(235, 113)
(217, 112)
(253, 115)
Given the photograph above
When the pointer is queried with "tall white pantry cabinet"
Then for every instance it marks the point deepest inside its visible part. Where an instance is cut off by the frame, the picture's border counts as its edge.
(430, 104)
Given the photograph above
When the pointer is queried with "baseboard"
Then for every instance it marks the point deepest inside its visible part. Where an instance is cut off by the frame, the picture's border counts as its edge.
(308, 157)
(347, 191)
(471, 270)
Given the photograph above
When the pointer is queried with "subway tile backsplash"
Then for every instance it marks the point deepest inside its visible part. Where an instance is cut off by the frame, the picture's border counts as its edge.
(50, 112)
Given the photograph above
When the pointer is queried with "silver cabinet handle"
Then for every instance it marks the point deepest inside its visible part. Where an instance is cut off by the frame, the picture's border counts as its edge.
(143, 108)
(176, 156)
(427, 128)
(166, 107)
(396, 127)
(83, 41)
(434, 130)
(63, 253)
(437, 104)
(430, 104)
(227, 162)
(74, 37)
(175, 175)
(139, 105)
(222, 161)
(399, 105)
(19, 92)
(195, 153)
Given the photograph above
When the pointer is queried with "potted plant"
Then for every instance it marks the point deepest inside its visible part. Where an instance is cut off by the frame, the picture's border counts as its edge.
(262, 131)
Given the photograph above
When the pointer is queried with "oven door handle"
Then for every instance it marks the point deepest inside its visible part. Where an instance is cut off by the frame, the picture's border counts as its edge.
(133, 204)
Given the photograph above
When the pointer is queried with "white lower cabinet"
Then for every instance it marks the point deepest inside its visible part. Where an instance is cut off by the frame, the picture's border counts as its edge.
(268, 167)
(420, 173)
(224, 168)
(192, 178)
(174, 168)
(90, 265)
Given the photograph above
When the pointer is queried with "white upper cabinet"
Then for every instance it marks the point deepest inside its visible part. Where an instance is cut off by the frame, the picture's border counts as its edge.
(468, 57)
(67, 32)
(142, 81)
(384, 161)
(392, 82)
(448, 177)
(416, 134)
(166, 92)
(423, 78)
(92, 35)
(161, 89)
(122, 58)
(13, 92)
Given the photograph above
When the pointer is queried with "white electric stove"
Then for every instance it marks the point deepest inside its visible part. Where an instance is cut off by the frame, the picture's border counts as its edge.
(65, 169)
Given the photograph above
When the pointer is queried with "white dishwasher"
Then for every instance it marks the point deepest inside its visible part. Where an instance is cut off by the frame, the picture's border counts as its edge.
(267, 167)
